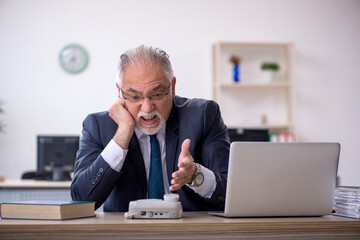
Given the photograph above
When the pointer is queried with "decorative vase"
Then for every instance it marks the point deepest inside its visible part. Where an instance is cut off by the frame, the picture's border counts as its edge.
(236, 73)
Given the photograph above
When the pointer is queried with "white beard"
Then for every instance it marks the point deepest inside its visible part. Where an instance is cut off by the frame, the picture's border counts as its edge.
(151, 130)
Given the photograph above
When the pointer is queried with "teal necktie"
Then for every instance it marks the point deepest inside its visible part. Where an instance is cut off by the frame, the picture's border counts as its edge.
(155, 183)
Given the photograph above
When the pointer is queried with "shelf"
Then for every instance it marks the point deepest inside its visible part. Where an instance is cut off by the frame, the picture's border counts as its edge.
(252, 44)
(253, 96)
(254, 85)
(267, 126)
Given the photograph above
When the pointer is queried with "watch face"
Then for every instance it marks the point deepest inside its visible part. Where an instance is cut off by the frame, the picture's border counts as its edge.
(199, 179)
(73, 58)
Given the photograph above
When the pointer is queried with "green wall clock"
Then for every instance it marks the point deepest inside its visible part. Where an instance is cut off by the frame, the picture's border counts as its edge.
(73, 58)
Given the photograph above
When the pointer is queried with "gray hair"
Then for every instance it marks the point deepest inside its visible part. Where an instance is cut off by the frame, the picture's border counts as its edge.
(144, 56)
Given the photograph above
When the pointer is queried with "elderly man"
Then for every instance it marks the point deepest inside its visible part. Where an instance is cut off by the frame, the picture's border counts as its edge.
(152, 142)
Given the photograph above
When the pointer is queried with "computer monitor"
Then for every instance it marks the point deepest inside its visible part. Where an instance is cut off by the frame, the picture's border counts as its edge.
(56, 155)
(248, 135)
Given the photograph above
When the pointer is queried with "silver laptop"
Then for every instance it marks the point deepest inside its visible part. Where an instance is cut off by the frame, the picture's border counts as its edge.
(281, 179)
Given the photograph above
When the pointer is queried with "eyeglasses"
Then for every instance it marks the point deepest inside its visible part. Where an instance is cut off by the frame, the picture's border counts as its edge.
(136, 98)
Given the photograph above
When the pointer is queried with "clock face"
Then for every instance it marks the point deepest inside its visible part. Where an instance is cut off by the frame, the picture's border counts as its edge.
(73, 58)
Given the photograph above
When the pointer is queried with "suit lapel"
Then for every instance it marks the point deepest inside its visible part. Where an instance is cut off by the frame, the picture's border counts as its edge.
(137, 158)
(172, 138)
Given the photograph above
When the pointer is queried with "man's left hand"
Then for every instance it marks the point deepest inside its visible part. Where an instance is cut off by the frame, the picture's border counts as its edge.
(187, 168)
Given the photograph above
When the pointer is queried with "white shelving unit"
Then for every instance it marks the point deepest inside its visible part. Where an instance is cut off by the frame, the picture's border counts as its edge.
(252, 96)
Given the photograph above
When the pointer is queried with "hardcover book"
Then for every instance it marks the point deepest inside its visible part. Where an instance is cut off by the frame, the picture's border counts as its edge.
(47, 210)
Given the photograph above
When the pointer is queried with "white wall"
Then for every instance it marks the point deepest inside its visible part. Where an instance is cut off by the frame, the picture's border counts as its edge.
(43, 99)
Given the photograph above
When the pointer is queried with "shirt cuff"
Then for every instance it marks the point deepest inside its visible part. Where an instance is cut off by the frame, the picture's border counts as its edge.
(114, 155)
(207, 188)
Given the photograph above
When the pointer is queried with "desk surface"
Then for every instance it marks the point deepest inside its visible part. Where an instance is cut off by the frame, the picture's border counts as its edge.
(194, 225)
(16, 184)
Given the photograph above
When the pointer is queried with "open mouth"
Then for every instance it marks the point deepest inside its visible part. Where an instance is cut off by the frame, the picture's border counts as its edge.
(149, 121)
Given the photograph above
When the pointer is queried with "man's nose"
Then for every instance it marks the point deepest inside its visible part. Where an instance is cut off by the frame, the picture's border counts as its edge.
(147, 105)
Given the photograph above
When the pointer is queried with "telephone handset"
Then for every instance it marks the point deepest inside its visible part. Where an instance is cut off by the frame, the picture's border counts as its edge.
(170, 207)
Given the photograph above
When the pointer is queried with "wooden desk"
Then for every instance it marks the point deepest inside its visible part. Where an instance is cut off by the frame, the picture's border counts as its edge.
(193, 225)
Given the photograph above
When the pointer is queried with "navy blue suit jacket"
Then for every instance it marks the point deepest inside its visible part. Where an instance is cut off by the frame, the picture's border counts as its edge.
(197, 119)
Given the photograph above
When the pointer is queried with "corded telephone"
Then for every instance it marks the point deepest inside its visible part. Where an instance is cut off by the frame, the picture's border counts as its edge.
(170, 207)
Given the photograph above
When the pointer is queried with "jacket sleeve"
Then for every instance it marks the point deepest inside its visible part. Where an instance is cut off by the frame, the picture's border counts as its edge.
(93, 178)
(215, 146)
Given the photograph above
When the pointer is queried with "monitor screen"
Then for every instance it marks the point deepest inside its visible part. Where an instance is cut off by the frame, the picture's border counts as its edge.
(57, 152)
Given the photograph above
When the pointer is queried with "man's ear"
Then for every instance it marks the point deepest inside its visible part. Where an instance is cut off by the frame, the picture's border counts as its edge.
(118, 88)
(173, 83)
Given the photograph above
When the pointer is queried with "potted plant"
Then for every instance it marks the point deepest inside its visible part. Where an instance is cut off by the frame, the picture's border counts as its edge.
(268, 71)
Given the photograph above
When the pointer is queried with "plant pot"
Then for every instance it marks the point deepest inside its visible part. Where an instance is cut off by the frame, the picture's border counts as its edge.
(268, 75)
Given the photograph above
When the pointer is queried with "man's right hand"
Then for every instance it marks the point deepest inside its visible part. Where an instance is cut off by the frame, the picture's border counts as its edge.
(126, 123)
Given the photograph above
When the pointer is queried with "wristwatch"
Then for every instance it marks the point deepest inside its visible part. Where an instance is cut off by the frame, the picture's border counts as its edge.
(198, 178)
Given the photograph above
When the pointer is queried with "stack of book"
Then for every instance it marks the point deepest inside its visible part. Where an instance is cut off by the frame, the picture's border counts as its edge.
(347, 201)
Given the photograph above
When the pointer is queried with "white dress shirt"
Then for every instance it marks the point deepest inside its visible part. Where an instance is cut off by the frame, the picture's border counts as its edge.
(115, 156)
